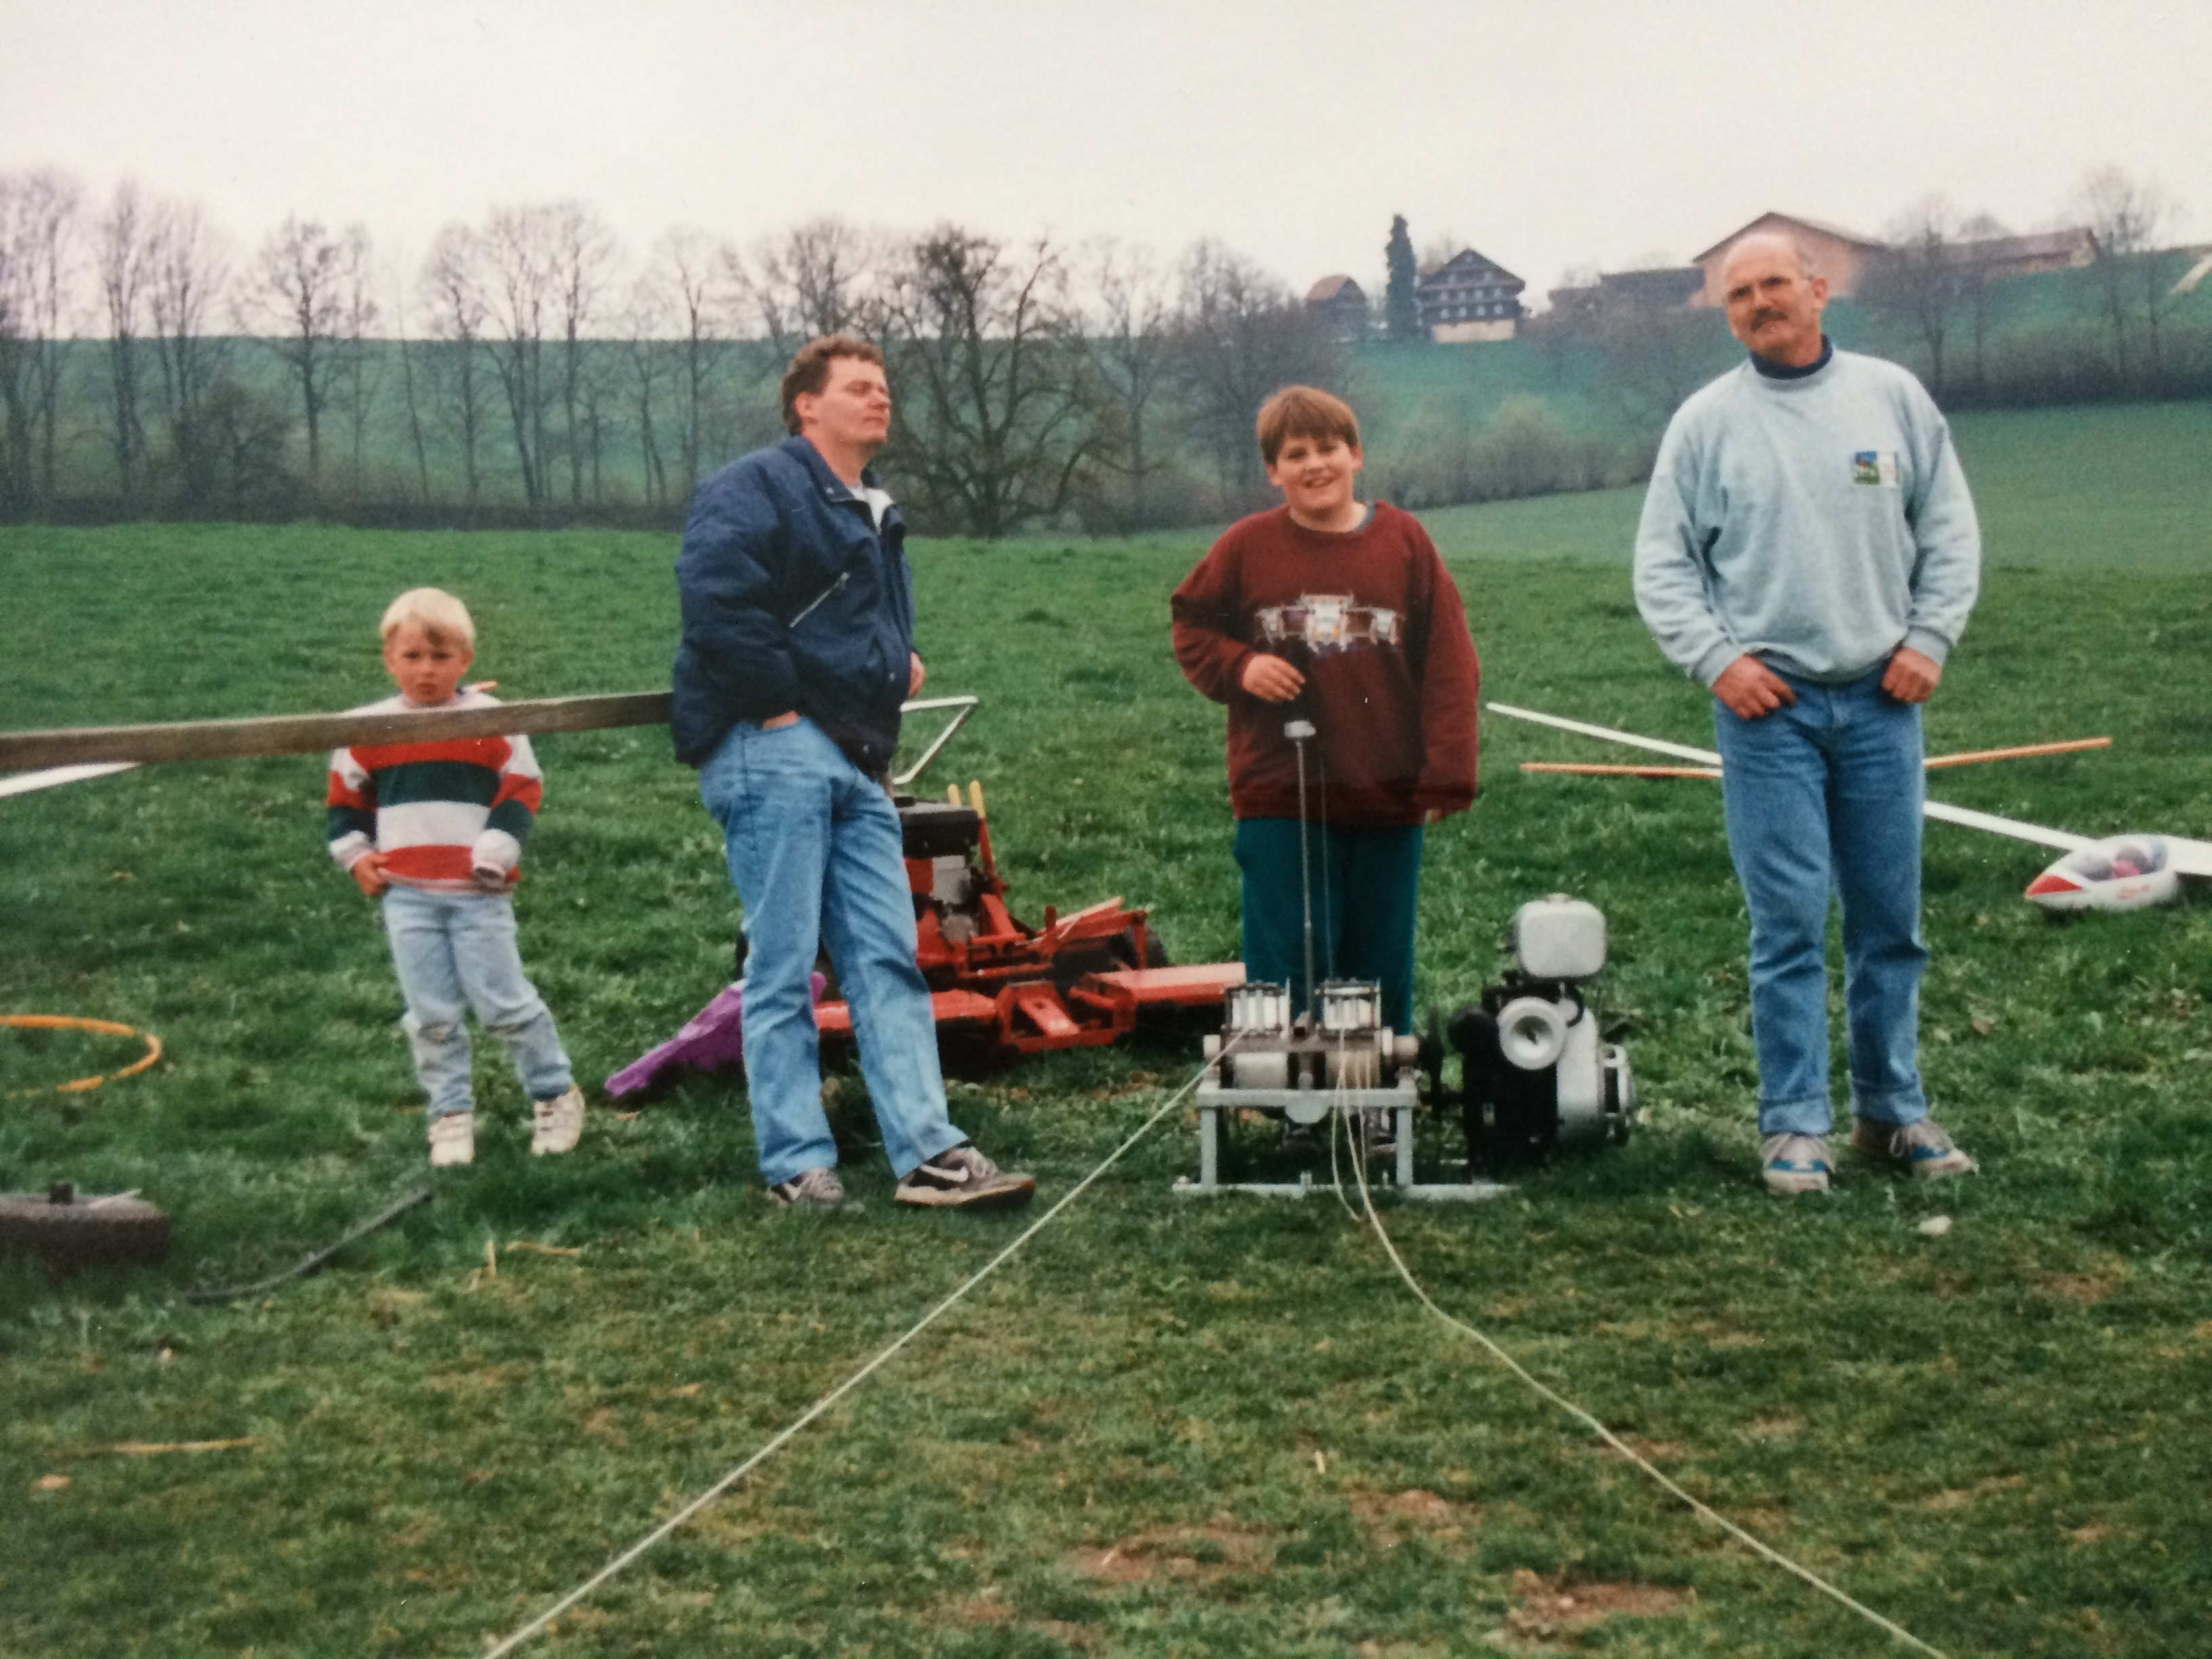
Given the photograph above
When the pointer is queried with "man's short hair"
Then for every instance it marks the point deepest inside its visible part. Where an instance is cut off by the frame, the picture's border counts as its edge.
(1304, 412)
(443, 619)
(810, 370)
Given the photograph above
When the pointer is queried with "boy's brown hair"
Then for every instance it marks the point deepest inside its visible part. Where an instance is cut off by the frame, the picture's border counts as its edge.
(810, 370)
(1304, 412)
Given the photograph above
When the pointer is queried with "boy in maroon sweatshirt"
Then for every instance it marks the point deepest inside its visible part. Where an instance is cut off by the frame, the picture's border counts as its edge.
(1338, 612)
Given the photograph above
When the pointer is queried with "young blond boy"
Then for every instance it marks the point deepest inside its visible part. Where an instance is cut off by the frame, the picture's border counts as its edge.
(1338, 613)
(435, 829)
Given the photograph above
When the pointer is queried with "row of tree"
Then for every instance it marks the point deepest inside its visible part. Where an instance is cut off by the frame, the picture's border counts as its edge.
(527, 368)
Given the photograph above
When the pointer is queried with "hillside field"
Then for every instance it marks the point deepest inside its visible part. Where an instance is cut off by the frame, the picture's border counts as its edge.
(1166, 1427)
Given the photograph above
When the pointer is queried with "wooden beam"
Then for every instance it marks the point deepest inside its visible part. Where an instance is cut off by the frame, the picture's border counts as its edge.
(307, 734)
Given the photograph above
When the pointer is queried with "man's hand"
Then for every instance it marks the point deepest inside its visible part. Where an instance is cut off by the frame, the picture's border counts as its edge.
(368, 873)
(1911, 677)
(776, 722)
(915, 674)
(1751, 690)
(1270, 678)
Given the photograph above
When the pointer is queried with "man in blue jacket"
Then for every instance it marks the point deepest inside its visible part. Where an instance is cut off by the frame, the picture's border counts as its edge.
(797, 651)
(1809, 549)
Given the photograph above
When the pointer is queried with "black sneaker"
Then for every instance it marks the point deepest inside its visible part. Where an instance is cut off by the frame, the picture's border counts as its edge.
(817, 1189)
(961, 1177)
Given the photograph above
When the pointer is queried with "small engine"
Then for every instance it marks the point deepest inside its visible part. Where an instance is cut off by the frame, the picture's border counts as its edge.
(1535, 1077)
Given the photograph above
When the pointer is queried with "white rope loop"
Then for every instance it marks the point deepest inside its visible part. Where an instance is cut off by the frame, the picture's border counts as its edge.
(622, 1562)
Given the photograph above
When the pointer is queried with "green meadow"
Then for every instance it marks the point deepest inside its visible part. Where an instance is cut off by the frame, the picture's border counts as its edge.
(1166, 1427)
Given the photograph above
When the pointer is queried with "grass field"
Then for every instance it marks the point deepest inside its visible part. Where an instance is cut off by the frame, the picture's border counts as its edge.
(1165, 1428)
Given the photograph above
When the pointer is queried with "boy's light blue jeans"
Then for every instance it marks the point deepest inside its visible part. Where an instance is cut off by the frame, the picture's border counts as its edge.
(813, 847)
(1824, 797)
(454, 952)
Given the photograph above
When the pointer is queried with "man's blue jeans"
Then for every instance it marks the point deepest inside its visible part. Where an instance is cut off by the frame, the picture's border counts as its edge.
(813, 847)
(453, 951)
(1824, 797)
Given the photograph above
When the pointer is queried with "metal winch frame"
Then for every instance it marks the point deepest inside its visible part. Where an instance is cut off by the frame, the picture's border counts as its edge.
(1344, 1063)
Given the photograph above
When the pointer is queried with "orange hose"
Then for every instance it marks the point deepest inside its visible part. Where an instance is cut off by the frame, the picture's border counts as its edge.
(79, 1085)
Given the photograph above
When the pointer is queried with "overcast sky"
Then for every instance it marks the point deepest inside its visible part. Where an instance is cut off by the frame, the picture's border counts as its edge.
(1551, 133)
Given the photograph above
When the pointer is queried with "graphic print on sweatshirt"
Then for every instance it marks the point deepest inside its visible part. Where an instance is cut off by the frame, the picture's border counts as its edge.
(1326, 623)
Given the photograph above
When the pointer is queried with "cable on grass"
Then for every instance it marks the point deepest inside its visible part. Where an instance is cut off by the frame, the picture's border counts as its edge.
(315, 1260)
(73, 1022)
(622, 1562)
(1702, 1511)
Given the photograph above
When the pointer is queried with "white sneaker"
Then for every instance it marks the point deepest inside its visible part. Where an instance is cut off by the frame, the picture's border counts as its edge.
(452, 1139)
(557, 1124)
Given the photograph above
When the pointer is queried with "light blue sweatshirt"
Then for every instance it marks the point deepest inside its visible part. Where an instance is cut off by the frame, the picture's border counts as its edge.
(1817, 522)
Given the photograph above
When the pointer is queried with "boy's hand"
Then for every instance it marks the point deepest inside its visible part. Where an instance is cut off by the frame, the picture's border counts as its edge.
(490, 879)
(1270, 678)
(368, 873)
(915, 674)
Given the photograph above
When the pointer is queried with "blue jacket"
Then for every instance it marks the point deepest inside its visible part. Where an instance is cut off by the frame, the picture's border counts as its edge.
(791, 599)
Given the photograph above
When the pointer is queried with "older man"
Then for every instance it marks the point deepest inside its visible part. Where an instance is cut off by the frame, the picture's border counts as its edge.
(1809, 549)
(796, 650)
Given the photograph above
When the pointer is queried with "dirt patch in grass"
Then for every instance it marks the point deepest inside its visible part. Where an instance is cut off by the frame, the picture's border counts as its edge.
(1199, 1554)
(1774, 1428)
(1545, 1609)
(2087, 1289)
(1957, 1498)
(1390, 1518)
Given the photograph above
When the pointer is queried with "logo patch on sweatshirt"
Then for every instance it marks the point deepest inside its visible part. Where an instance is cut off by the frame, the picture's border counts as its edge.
(1875, 466)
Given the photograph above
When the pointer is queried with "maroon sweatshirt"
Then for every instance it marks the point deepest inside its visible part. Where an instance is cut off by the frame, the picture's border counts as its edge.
(1372, 619)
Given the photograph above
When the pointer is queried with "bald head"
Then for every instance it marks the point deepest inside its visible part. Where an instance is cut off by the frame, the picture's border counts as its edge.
(1770, 243)
(1774, 299)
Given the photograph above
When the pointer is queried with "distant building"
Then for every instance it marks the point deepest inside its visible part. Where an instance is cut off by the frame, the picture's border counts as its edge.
(1341, 305)
(1668, 287)
(2030, 255)
(1469, 298)
(1840, 256)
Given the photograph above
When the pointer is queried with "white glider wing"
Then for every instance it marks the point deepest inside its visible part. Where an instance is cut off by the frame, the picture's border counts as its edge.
(23, 783)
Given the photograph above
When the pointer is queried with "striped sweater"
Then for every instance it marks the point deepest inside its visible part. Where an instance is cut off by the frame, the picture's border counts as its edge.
(438, 812)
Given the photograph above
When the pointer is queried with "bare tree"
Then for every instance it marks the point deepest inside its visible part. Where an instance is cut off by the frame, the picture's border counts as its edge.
(647, 319)
(1922, 277)
(814, 279)
(2125, 216)
(1131, 334)
(1241, 334)
(189, 271)
(693, 275)
(521, 286)
(125, 255)
(297, 289)
(359, 370)
(451, 285)
(995, 412)
(38, 220)
(584, 257)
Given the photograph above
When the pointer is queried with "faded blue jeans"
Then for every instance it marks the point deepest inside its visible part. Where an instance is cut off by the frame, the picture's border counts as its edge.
(813, 847)
(453, 951)
(1823, 797)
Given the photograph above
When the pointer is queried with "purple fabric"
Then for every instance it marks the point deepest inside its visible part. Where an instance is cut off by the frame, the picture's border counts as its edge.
(711, 1038)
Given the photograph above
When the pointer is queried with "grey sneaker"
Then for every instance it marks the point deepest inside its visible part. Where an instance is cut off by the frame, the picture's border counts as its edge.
(557, 1124)
(1919, 1149)
(817, 1189)
(961, 1177)
(1795, 1164)
(452, 1139)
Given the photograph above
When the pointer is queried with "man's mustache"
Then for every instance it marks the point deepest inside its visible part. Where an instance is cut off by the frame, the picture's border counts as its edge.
(1768, 315)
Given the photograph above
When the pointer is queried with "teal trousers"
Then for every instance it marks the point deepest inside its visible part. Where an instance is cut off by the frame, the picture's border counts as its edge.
(1366, 883)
